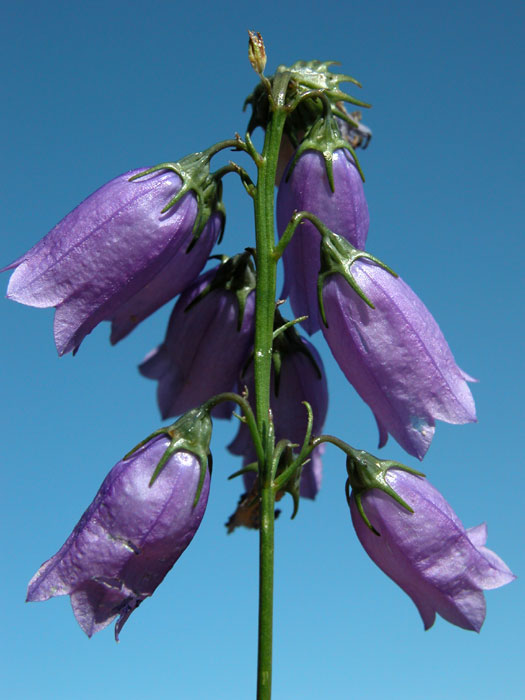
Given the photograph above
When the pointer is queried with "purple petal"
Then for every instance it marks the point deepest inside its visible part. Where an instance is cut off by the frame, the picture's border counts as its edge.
(344, 211)
(395, 356)
(428, 553)
(203, 352)
(177, 274)
(104, 252)
(128, 539)
(312, 474)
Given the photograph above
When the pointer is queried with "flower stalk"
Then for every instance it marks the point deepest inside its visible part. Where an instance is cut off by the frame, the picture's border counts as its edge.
(264, 320)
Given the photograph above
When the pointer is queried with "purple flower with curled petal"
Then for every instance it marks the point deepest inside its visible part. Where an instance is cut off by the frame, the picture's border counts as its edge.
(110, 258)
(206, 344)
(440, 565)
(301, 378)
(395, 356)
(344, 211)
(128, 539)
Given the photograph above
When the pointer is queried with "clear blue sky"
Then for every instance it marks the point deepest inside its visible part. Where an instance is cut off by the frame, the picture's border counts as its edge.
(90, 90)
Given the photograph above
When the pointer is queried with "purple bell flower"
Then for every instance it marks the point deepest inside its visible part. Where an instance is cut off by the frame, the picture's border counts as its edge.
(128, 539)
(115, 257)
(344, 211)
(178, 273)
(440, 565)
(395, 356)
(205, 347)
(301, 378)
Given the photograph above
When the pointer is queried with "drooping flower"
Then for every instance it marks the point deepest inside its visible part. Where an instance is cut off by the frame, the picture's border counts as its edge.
(428, 553)
(300, 377)
(395, 356)
(118, 256)
(343, 210)
(208, 339)
(178, 273)
(128, 539)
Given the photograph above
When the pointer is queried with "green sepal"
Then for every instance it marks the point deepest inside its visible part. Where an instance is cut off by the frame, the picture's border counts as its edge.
(285, 457)
(190, 433)
(287, 342)
(248, 469)
(337, 257)
(235, 274)
(306, 80)
(194, 172)
(325, 137)
(288, 467)
(367, 472)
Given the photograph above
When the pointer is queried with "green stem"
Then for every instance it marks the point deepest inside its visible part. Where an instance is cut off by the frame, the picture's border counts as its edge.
(264, 319)
(266, 558)
(248, 417)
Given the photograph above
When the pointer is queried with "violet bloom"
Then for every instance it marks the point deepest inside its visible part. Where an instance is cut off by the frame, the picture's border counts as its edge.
(395, 356)
(128, 539)
(204, 350)
(343, 211)
(115, 257)
(301, 378)
(440, 565)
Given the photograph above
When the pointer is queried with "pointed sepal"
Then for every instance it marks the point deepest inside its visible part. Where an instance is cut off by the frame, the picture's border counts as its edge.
(337, 257)
(325, 136)
(308, 83)
(190, 433)
(194, 172)
(367, 472)
(235, 274)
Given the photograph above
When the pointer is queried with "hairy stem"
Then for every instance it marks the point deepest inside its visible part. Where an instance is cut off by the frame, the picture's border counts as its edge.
(264, 318)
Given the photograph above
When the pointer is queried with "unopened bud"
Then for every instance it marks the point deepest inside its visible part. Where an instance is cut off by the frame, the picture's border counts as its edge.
(256, 52)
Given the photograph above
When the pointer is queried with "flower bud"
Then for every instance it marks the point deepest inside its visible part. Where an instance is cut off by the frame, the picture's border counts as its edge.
(208, 339)
(110, 258)
(343, 210)
(395, 356)
(129, 537)
(428, 553)
(256, 52)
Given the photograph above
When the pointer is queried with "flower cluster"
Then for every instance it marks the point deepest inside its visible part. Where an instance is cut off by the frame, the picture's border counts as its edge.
(144, 239)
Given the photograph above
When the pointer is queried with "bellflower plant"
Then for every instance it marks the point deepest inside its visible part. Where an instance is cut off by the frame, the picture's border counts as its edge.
(131, 535)
(424, 547)
(209, 336)
(143, 239)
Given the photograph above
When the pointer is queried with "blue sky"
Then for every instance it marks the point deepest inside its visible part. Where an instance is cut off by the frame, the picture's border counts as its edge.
(94, 89)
